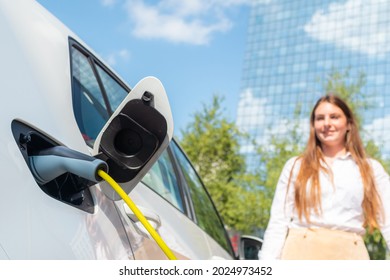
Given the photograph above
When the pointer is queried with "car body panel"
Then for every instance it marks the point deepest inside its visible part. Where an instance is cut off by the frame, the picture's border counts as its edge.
(182, 235)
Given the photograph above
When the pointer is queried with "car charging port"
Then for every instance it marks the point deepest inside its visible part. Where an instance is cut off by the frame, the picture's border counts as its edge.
(66, 187)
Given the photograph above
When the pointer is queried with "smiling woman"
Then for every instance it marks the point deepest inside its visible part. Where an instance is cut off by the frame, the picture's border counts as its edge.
(327, 197)
(331, 128)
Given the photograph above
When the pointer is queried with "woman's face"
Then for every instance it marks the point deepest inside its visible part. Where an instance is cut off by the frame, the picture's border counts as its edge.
(330, 125)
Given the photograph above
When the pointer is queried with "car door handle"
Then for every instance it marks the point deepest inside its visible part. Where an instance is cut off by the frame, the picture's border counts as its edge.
(151, 216)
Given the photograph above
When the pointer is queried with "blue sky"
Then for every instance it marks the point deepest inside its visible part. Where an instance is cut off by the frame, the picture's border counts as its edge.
(195, 47)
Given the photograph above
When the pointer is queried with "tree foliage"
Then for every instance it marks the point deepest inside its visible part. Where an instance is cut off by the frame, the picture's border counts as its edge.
(272, 159)
(212, 142)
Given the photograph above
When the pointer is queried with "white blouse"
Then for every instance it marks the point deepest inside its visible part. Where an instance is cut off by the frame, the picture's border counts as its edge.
(340, 203)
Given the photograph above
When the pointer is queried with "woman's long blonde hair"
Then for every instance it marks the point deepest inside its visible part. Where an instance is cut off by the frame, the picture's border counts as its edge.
(307, 199)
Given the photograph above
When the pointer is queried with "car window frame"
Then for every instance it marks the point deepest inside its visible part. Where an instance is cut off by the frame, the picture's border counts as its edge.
(187, 201)
(187, 191)
(180, 185)
(94, 62)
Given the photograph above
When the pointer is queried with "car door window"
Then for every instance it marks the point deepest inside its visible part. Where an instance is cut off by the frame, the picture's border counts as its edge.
(115, 91)
(162, 179)
(205, 212)
(89, 106)
(96, 92)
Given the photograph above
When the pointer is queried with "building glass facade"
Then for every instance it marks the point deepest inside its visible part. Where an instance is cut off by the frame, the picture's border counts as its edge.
(293, 46)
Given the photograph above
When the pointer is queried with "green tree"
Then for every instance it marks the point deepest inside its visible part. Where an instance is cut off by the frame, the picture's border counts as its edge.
(281, 148)
(272, 159)
(212, 142)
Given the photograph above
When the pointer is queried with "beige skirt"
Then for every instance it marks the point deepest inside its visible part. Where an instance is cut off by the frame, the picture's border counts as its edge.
(323, 244)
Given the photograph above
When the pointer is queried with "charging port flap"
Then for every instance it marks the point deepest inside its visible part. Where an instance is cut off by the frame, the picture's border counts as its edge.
(135, 135)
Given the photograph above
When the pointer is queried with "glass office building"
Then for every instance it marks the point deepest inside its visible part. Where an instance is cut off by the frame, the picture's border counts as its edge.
(293, 46)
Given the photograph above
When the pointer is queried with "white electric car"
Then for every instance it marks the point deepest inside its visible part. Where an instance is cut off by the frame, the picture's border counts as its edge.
(56, 92)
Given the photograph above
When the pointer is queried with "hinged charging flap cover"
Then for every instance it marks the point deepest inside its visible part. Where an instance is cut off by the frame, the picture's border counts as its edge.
(136, 134)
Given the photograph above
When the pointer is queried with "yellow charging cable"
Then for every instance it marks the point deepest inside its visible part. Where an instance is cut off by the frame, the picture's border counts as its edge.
(138, 213)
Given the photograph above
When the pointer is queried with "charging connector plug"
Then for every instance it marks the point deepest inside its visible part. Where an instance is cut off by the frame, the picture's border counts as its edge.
(48, 164)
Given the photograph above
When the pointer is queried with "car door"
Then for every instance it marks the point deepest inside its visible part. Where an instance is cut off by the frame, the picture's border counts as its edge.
(165, 196)
(203, 211)
(166, 201)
